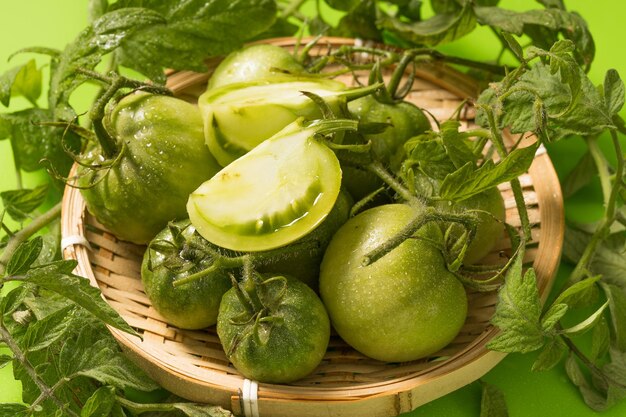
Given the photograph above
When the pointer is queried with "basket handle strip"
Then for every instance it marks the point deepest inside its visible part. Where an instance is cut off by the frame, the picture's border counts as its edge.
(72, 240)
(249, 395)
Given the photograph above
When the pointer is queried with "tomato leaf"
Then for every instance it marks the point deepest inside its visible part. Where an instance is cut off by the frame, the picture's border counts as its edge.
(513, 21)
(20, 203)
(187, 33)
(613, 92)
(586, 324)
(608, 261)
(459, 149)
(360, 22)
(13, 299)
(616, 299)
(88, 354)
(25, 255)
(518, 312)
(492, 403)
(439, 29)
(428, 151)
(23, 80)
(14, 410)
(600, 340)
(609, 385)
(467, 181)
(550, 355)
(579, 294)
(553, 315)
(579, 176)
(585, 117)
(48, 330)
(57, 277)
(32, 142)
(4, 360)
(100, 403)
(344, 5)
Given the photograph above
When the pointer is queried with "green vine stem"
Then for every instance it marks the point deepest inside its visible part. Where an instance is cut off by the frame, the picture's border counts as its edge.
(46, 391)
(593, 368)
(23, 235)
(611, 213)
(422, 217)
(378, 169)
(516, 186)
(602, 166)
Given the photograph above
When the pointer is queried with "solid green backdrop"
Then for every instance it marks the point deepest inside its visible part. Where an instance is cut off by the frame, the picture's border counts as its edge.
(528, 394)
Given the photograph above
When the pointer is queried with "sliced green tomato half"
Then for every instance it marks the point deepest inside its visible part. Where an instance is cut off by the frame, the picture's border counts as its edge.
(271, 196)
(237, 117)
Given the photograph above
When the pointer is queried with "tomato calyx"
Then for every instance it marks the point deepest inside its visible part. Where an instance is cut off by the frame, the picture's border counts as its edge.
(114, 83)
(181, 252)
(261, 297)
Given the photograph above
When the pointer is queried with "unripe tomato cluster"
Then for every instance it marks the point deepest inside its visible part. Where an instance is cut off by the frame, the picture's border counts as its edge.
(246, 209)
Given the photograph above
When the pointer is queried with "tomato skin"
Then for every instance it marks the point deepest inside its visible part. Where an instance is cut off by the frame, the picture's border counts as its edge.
(490, 228)
(297, 342)
(189, 306)
(404, 306)
(406, 120)
(163, 159)
(239, 116)
(305, 265)
(255, 62)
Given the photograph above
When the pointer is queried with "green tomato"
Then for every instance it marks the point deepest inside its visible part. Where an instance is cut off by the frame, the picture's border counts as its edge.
(280, 344)
(162, 158)
(256, 62)
(490, 222)
(193, 305)
(406, 120)
(238, 117)
(402, 307)
(271, 196)
(305, 264)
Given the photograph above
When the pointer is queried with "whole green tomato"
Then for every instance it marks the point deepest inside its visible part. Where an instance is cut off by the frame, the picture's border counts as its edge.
(171, 257)
(279, 336)
(404, 306)
(405, 121)
(255, 62)
(490, 214)
(161, 158)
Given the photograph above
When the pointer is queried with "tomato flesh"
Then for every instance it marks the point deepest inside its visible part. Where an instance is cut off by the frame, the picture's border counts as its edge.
(270, 197)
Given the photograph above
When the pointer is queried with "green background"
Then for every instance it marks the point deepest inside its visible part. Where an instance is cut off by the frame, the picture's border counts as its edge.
(528, 394)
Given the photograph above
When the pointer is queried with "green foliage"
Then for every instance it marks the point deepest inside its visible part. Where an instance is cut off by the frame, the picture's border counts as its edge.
(493, 403)
(54, 322)
(20, 203)
(22, 80)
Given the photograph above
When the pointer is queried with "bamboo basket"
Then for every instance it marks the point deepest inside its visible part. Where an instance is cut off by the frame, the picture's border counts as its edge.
(193, 365)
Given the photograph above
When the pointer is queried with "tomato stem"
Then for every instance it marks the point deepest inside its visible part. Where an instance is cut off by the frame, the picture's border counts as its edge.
(422, 217)
(115, 83)
(219, 264)
(354, 93)
(378, 169)
(398, 75)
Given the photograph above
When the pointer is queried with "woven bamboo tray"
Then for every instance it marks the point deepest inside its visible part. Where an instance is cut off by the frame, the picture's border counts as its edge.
(193, 365)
